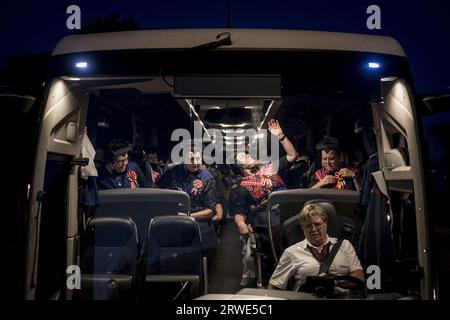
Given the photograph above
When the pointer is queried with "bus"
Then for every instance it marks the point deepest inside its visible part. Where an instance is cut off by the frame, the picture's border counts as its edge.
(151, 87)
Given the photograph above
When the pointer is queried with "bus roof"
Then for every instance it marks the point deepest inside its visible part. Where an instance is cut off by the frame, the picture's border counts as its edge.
(242, 39)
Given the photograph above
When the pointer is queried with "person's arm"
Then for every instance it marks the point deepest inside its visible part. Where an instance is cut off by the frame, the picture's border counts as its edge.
(351, 174)
(285, 269)
(359, 274)
(204, 213)
(327, 180)
(272, 287)
(239, 220)
(209, 201)
(275, 129)
(219, 212)
(354, 265)
(104, 181)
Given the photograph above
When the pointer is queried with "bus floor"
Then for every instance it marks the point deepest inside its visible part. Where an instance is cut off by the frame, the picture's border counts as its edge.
(225, 272)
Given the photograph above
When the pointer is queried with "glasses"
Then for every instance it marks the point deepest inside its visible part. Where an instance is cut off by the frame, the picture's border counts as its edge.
(122, 161)
(329, 160)
(314, 226)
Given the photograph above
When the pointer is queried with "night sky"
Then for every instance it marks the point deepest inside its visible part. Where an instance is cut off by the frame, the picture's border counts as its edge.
(421, 27)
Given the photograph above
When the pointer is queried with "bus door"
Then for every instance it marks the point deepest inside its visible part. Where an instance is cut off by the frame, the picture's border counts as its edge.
(399, 153)
(52, 220)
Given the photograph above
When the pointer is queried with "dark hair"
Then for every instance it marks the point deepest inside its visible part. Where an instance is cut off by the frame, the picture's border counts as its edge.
(327, 144)
(236, 169)
(118, 147)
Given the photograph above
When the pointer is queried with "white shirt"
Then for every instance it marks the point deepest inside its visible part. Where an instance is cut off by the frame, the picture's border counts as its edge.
(298, 261)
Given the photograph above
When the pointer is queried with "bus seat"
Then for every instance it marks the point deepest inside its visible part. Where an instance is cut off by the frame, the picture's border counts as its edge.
(109, 255)
(174, 255)
(142, 205)
(337, 204)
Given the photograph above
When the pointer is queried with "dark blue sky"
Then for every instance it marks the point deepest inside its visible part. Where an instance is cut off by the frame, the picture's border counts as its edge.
(421, 27)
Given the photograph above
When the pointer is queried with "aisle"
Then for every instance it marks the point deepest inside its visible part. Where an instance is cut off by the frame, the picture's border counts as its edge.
(226, 270)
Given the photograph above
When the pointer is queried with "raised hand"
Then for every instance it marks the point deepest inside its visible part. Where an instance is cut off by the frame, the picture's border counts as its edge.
(274, 128)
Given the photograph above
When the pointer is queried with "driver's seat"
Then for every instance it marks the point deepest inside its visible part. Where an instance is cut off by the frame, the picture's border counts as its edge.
(293, 233)
(338, 226)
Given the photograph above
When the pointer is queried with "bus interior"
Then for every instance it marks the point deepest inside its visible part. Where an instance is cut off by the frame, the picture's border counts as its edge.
(311, 94)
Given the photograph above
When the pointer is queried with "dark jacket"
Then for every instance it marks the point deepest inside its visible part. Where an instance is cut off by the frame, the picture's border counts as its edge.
(132, 177)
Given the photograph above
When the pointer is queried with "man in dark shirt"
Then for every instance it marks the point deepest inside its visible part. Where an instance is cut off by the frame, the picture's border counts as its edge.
(198, 183)
(118, 172)
(155, 164)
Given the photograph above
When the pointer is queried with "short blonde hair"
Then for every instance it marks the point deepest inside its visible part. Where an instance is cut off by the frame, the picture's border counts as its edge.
(309, 211)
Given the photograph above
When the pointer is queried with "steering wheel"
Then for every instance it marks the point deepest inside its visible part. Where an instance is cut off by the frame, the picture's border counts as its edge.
(361, 286)
(323, 286)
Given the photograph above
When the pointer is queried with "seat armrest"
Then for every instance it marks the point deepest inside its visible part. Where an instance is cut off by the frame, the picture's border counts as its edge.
(194, 280)
(105, 286)
(172, 278)
(123, 282)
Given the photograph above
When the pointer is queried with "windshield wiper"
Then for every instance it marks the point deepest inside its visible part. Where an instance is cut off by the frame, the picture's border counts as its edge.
(224, 39)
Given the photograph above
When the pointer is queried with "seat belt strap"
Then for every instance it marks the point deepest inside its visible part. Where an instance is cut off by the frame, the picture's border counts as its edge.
(325, 266)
